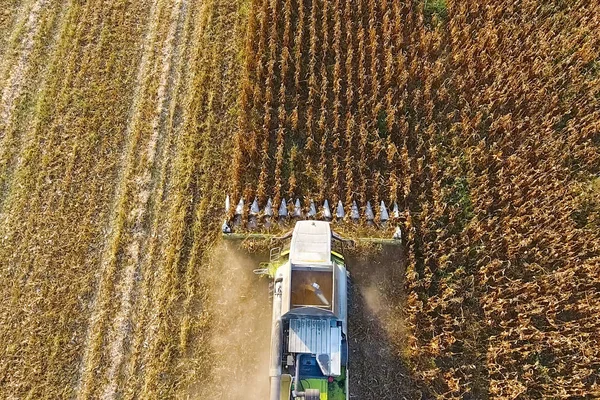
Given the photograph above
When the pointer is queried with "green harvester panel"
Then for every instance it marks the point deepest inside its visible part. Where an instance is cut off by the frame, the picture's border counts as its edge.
(320, 384)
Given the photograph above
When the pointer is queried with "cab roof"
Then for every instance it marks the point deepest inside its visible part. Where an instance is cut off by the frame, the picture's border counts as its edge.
(311, 243)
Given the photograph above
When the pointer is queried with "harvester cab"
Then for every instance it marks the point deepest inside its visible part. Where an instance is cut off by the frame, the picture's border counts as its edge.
(309, 335)
(309, 331)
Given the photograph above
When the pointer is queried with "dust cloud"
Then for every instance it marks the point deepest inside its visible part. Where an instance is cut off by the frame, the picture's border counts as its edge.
(241, 327)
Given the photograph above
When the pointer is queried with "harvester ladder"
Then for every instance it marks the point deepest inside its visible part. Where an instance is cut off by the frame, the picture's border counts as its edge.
(274, 254)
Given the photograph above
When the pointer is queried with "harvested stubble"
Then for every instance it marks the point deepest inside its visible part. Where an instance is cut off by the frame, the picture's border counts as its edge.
(120, 123)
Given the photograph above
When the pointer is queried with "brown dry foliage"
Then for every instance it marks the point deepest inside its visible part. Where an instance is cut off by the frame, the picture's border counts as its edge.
(483, 125)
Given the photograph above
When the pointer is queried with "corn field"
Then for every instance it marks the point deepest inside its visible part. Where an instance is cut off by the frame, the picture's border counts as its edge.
(481, 120)
(123, 125)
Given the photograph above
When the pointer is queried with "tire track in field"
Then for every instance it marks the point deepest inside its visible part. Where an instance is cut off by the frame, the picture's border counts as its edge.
(161, 358)
(177, 121)
(17, 131)
(144, 187)
(130, 377)
(18, 72)
(115, 227)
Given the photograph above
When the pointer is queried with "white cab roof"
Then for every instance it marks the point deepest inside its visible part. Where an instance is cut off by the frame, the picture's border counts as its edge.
(311, 243)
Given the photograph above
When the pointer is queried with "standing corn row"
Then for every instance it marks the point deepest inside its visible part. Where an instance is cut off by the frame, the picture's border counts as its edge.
(310, 172)
(399, 82)
(246, 141)
(377, 115)
(282, 114)
(337, 105)
(350, 145)
(322, 179)
(298, 45)
(261, 91)
(270, 100)
(391, 179)
(363, 140)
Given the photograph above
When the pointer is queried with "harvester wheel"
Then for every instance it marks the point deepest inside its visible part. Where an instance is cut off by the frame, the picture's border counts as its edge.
(312, 394)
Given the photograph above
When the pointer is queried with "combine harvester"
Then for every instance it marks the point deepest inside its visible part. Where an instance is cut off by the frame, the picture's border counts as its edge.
(309, 333)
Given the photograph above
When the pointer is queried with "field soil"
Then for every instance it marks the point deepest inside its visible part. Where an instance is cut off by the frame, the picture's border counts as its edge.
(240, 326)
(377, 331)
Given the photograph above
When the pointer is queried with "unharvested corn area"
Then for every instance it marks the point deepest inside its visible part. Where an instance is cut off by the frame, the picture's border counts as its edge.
(124, 123)
(481, 119)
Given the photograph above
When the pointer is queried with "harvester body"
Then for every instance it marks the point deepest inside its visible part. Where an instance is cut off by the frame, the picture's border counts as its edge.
(309, 335)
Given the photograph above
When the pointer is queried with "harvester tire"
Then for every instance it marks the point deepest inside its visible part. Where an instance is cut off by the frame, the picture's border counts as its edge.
(312, 394)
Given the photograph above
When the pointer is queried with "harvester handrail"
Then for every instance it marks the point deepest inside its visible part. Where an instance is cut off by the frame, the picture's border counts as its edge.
(265, 236)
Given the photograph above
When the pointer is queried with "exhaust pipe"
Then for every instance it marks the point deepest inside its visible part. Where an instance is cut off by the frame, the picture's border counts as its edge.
(295, 392)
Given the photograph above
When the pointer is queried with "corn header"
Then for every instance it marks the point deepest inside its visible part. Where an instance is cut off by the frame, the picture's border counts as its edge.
(259, 222)
(309, 332)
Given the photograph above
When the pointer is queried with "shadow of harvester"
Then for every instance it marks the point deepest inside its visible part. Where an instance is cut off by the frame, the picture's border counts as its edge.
(376, 327)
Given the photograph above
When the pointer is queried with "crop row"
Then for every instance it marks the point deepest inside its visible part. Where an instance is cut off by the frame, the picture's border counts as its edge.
(120, 117)
(482, 124)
